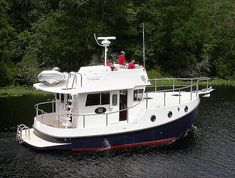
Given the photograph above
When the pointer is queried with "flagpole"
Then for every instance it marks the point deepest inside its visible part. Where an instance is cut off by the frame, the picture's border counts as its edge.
(143, 48)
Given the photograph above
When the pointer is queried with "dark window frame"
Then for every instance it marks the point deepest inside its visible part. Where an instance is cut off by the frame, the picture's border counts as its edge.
(138, 94)
(98, 99)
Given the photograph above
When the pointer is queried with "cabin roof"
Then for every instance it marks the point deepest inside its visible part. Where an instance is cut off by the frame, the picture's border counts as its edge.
(92, 79)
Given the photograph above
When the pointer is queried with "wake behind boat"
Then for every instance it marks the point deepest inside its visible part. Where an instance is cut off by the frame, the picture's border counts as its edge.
(98, 108)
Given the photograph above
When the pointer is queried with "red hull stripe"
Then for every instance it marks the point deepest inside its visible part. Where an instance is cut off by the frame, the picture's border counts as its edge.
(158, 142)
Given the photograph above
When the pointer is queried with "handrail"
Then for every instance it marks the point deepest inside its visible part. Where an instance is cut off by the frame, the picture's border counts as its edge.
(184, 87)
(194, 82)
(81, 77)
(82, 115)
(20, 129)
(42, 112)
(67, 83)
(199, 78)
(74, 79)
(104, 114)
(43, 103)
(88, 114)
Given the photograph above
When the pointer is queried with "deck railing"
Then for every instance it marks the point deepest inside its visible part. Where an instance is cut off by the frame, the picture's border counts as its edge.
(178, 86)
(61, 119)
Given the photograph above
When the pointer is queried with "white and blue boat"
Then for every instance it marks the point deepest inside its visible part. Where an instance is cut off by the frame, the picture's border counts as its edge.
(97, 108)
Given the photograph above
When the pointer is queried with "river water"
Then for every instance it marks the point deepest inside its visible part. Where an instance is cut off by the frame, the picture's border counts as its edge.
(207, 151)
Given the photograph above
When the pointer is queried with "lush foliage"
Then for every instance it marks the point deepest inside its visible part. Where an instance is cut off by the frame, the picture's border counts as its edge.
(21, 91)
(183, 38)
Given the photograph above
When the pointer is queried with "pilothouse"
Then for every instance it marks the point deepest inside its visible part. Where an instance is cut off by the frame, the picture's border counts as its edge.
(97, 108)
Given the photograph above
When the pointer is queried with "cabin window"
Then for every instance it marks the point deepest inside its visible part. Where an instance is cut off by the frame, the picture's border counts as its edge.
(93, 99)
(114, 99)
(57, 96)
(97, 99)
(62, 98)
(104, 98)
(138, 94)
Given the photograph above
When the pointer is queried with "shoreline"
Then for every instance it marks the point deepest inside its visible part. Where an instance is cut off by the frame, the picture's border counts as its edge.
(15, 91)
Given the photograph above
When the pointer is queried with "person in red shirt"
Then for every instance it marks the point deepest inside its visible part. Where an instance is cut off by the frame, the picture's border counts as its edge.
(131, 65)
(122, 58)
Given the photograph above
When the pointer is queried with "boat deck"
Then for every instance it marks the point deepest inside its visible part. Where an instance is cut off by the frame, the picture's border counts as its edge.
(36, 141)
(152, 100)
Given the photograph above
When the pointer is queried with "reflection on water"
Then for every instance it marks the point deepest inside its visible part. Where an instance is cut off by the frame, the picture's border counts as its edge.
(207, 151)
(17, 110)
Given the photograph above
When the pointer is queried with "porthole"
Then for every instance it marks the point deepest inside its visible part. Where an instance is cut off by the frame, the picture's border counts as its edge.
(186, 109)
(178, 109)
(170, 114)
(153, 118)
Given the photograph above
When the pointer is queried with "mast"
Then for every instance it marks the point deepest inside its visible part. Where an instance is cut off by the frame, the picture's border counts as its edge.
(143, 48)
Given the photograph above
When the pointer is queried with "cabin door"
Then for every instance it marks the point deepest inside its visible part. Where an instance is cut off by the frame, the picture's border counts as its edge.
(114, 107)
(123, 105)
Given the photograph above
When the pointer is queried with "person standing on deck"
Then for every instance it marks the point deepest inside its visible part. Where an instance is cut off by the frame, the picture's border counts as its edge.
(131, 65)
(122, 59)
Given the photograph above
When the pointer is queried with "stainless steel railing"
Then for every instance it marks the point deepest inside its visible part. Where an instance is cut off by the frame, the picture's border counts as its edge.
(74, 79)
(174, 81)
(191, 84)
(19, 133)
(41, 115)
(183, 84)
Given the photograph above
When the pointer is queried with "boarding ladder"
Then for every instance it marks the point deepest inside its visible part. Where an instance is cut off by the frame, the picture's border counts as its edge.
(19, 133)
(68, 111)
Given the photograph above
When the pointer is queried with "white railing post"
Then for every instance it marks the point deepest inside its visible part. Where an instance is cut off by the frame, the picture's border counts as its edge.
(21, 136)
(173, 85)
(146, 100)
(36, 110)
(80, 78)
(155, 86)
(67, 83)
(84, 121)
(191, 90)
(53, 106)
(197, 89)
(42, 117)
(58, 121)
(179, 96)
(164, 98)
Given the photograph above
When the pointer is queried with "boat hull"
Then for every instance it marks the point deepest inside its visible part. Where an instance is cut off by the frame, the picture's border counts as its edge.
(158, 135)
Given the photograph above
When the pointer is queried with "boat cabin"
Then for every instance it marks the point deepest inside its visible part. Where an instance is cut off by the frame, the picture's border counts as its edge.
(96, 96)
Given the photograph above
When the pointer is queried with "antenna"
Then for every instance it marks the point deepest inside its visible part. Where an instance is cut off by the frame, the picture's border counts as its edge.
(143, 48)
(104, 43)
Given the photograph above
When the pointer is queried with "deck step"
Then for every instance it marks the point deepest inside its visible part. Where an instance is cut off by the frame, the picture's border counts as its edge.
(38, 142)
